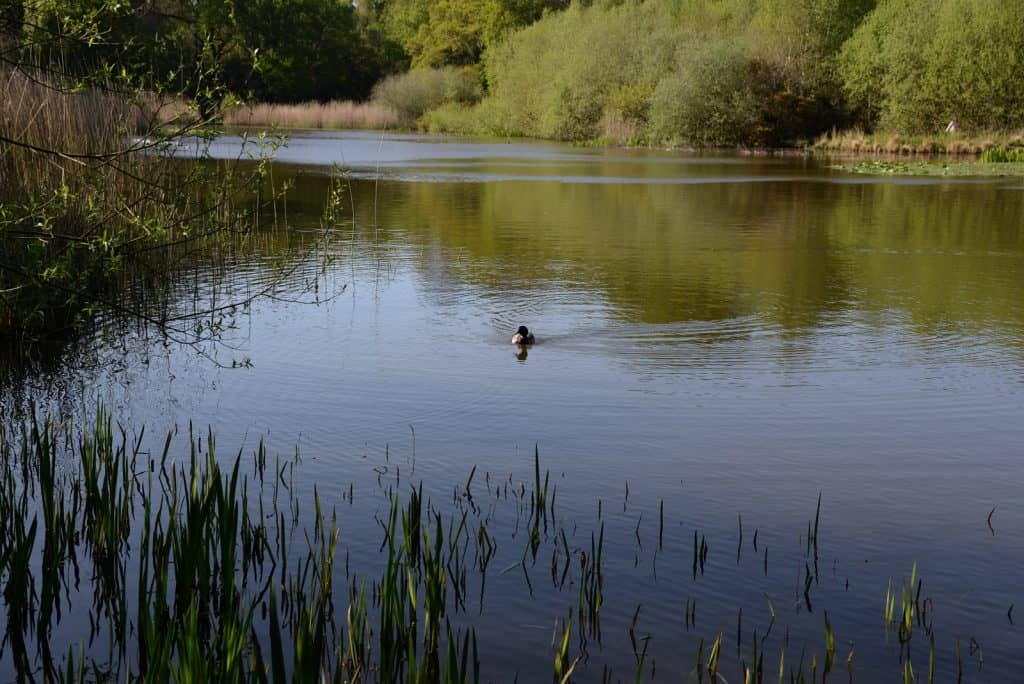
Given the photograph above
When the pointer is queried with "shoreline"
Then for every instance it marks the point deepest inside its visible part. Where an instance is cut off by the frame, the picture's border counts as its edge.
(960, 160)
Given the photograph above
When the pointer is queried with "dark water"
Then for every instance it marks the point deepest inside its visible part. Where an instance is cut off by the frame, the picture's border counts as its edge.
(730, 335)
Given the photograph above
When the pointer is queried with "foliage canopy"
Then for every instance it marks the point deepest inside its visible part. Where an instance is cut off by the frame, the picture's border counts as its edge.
(914, 65)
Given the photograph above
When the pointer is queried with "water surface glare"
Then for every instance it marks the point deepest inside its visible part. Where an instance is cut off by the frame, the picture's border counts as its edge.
(732, 335)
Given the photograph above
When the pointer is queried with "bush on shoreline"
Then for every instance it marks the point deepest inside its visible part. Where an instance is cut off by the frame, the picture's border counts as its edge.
(710, 102)
(412, 94)
(65, 178)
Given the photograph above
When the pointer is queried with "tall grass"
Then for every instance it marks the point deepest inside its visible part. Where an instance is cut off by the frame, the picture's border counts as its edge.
(335, 114)
(398, 101)
(66, 180)
(1003, 156)
(219, 592)
(84, 128)
(992, 145)
(131, 563)
(88, 189)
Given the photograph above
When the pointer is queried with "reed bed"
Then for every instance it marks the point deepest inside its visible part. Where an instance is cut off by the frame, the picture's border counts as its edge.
(321, 115)
(83, 129)
(120, 562)
(1003, 156)
(89, 189)
(66, 179)
(888, 143)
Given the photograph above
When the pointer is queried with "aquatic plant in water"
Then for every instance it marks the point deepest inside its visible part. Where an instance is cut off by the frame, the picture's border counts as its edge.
(196, 567)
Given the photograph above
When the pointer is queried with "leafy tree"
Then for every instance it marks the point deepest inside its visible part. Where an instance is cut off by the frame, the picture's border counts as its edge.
(277, 50)
(457, 31)
(891, 34)
(800, 38)
(302, 49)
(401, 19)
(916, 64)
(710, 101)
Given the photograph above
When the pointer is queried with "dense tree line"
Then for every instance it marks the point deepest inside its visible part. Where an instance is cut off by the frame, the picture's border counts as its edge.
(273, 50)
(728, 72)
(763, 72)
(270, 50)
(702, 72)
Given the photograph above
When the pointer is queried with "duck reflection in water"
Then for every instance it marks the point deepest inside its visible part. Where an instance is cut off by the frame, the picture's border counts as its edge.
(523, 339)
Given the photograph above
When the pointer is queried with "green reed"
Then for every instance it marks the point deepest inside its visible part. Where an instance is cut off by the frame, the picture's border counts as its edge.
(563, 666)
(999, 155)
(207, 562)
(203, 567)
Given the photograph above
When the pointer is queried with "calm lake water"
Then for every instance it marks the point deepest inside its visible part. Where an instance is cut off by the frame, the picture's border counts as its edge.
(729, 335)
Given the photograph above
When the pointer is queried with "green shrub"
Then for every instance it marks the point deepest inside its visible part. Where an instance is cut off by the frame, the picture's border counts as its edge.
(93, 212)
(453, 117)
(708, 101)
(414, 93)
(551, 81)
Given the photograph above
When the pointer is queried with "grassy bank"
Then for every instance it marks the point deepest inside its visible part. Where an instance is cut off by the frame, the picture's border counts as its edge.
(951, 154)
(138, 565)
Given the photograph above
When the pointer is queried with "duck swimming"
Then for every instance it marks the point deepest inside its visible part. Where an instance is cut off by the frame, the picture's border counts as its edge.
(523, 336)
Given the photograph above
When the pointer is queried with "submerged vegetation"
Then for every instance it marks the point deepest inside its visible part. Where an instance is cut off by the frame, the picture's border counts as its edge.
(935, 168)
(121, 563)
